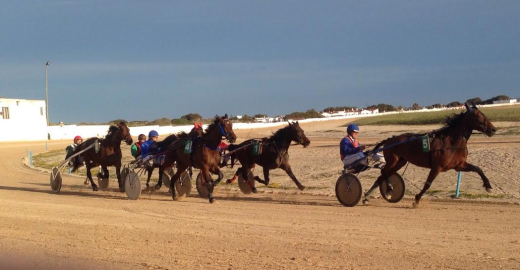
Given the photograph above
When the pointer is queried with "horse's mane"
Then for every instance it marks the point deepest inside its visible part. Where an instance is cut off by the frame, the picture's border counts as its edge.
(183, 135)
(111, 131)
(453, 119)
(167, 141)
(213, 125)
(280, 134)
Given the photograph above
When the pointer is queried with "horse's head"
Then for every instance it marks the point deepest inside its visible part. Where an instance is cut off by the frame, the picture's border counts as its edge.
(226, 128)
(298, 135)
(476, 120)
(124, 133)
(196, 131)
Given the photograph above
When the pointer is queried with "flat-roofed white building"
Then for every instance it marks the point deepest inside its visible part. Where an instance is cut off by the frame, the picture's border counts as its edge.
(22, 120)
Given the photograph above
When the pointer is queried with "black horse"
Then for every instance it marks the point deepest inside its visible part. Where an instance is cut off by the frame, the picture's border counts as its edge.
(274, 153)
(109, 153)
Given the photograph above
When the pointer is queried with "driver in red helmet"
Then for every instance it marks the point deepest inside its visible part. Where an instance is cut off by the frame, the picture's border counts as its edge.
(70, 150)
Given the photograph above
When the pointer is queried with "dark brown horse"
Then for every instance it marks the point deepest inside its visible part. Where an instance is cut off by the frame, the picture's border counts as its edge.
(448, 149)
(109, 153)
(274, 153)
(166, 146)
(205, 154)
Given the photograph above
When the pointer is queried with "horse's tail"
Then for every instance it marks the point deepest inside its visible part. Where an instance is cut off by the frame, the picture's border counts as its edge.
(231, 148)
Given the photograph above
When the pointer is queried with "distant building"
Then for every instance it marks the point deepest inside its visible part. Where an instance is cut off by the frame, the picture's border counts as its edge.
(507, 101)
(22, 120)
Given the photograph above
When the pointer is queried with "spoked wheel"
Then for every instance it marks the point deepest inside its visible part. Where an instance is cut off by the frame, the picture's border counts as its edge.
(167, 175)
(246, 185)
(183, 185)
(348, 190)
(201, 187)
(132, 185)
(397, 183)
(56, 180)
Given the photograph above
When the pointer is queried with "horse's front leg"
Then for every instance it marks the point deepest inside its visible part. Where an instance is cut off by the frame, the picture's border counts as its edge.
(466, 167)
(209, 183)
(89, 176)
(266, 177)
(431, 176)
(287, 168)
(119, 180)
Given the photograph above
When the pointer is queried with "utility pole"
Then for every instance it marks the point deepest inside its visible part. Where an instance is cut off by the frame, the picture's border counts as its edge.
(47, 92)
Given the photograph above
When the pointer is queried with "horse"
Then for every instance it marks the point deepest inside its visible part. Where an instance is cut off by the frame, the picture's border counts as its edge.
(448, 150)
(165, 147)
(274, 153)
(205, 154)
(109, 153)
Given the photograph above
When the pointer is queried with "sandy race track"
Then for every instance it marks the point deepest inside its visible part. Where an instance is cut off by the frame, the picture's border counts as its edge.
(82, 229)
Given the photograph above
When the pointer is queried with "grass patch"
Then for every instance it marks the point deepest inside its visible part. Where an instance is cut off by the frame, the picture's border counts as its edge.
(482, 196)
(433, 191)
(48, 160)
(497, 114)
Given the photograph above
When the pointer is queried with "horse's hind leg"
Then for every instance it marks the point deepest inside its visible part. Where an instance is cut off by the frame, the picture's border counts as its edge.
(431, 176)
(466, 167)
(119, 180)
(287, 168)
(89, 176)
(389, 169)
(149, 170)
(159, 182)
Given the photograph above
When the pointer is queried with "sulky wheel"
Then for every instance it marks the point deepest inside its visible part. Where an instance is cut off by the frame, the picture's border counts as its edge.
(201, 186)
(183, 185)
(167, 175)
(246, 185)
(397, 183)
(55, 180)
(132, 185)
(348, 190)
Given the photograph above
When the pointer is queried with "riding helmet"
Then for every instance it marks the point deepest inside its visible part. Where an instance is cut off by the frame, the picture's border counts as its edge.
(77, 138)
(352, 127)
(153, 133)
(141, 137)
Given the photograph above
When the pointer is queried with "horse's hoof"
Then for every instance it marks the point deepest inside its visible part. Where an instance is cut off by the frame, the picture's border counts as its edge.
(254, 190)
(489, 190)
(415, 204)
(365, 202)
(230, 181)
(147, 185)
(94, 188)
(211, 200)
(157, 187)
(302, 188)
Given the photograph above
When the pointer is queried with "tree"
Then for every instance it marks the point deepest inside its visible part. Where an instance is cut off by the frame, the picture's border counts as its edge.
(415, 106)
(260, 115)
(453, 104)
(475, 100)
(191, 116)
(161, 122)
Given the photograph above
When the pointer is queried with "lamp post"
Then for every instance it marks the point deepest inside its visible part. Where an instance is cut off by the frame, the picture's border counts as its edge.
(47, 92)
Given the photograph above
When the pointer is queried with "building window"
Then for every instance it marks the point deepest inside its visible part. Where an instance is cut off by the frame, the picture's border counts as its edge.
(5, 112)
(17, 103)
(41, 110)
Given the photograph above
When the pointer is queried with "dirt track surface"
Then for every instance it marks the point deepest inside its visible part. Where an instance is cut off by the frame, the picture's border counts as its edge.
(82, 229)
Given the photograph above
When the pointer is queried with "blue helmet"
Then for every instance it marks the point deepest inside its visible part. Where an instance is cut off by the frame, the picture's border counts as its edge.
(352, 127)
(153, 133)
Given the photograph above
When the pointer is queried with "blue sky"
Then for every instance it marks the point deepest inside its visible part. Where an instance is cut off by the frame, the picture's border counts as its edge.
(143, 60)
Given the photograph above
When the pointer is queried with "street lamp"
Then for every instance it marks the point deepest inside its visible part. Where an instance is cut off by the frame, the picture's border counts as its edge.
(47, 92)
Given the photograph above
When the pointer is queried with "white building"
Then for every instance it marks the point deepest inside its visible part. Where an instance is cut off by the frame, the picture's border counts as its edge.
(507, 101)
(22, 120)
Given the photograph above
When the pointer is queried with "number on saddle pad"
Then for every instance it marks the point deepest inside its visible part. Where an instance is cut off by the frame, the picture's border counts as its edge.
(425, 142)
(187, 147)
(256, 148)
